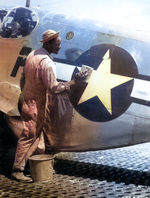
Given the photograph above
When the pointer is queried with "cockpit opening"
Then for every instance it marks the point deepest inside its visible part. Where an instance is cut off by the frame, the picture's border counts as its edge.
(18, 23)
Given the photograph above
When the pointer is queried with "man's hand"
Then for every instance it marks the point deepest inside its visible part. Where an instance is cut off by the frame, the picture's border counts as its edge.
(83, 75)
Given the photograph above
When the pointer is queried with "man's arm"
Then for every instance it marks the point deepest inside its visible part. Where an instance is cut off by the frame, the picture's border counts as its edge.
(47, 74)
(80, 77)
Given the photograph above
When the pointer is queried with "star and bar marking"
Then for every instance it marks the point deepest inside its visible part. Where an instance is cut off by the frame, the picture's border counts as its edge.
(101, 82)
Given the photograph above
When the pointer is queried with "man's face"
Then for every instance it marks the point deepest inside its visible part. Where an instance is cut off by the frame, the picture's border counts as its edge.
(55, 45)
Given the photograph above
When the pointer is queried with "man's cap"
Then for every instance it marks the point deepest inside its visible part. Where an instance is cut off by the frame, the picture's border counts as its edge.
(49, 35)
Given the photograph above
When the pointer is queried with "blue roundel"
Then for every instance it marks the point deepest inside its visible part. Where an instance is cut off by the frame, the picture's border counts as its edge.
(121, 64)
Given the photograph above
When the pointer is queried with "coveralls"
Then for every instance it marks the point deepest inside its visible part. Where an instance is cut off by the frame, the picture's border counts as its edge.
(40, 76)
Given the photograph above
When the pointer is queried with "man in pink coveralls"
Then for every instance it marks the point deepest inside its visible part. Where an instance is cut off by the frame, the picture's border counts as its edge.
(40, 75)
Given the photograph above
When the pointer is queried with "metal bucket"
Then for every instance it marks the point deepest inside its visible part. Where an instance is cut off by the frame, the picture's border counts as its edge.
(41, 167)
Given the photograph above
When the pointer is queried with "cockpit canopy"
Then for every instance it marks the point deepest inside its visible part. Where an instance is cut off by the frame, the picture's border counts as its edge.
(18, 23)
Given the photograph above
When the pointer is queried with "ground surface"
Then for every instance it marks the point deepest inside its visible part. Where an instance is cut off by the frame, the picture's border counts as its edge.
(122, 172)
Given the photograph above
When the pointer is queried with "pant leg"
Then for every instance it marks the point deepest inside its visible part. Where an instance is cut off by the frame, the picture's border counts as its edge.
(41, 146)
(49, 135)
(32, 120)
(26, 146)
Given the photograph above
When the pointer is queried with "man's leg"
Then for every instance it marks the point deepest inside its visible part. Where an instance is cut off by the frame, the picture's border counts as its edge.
(41, 146)
(27, 144)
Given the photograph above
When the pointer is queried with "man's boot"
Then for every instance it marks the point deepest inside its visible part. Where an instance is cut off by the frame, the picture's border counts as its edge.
(19, 176)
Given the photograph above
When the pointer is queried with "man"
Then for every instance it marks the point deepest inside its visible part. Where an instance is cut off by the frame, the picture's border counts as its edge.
(39, 76)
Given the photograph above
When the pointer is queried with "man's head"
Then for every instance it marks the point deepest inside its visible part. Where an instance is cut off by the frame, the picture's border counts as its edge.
(51, 41)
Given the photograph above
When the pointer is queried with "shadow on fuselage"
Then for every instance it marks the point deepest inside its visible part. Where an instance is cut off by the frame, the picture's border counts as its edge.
(8, 142)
